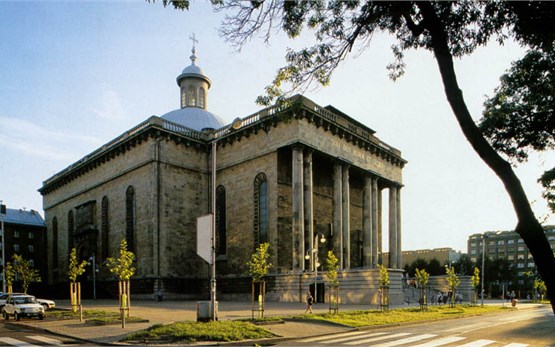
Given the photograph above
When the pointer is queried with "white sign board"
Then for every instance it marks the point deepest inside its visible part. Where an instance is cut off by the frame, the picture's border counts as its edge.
(204, 232)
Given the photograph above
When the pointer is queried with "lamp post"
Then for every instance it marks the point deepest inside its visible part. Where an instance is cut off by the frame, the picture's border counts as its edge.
(314, 254)
(484, 237)
(92, 262)
(236, 124)
(2, 212)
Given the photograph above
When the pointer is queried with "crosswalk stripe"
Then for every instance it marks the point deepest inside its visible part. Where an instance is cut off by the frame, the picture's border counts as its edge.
(373, 339)
(46, 339)
(516, 345)
(350, 338)
(478, 343)
(14, 342)
(406, 340)
(320, 338)
(441, 342)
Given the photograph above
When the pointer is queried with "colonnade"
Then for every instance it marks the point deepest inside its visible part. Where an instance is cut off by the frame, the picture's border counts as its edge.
(302, 216)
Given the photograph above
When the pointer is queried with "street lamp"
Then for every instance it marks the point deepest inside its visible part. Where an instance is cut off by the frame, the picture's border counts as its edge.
(2, 212)
(92, 262)
(314, 255)
(484, 238)
(236, 124)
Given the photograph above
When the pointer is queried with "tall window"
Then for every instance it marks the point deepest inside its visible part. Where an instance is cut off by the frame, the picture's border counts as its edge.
(70, 229)
(191, 95)
(183, 98)
(55, 242)
(130, 218)
(105, 229)
(221, 236)
(261, 222)
(201, 97)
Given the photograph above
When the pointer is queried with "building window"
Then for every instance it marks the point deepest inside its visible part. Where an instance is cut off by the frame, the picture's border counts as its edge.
(510, 242)
(531, 264)
(16, 234)
(261, 222)
(201, 97)
(55, 242)
(31, 235)
(70, 229)
(511, 257)
(520, 241)
(104, 229)
(520, 257)
(31, 248)
(520, 248)
(221, 236)
(191, 96)
(16, 247)
(520, 265)
(31, 262)
(501, 242)
(472, 251)
(130, 218)
(183, 98)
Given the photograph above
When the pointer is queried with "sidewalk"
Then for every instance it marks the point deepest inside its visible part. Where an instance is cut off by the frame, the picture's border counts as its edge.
(175, 311)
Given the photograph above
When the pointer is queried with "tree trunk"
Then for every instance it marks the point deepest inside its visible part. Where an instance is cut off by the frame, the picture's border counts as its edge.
(528, 226)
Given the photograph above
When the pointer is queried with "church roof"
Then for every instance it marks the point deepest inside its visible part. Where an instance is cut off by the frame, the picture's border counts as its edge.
(195, 118)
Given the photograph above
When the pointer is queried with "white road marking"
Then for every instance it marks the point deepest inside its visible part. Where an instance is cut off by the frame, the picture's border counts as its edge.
(373, 339)
(15, 342)
(320, 338)
(406, 340)
(478, 343)
(350, 338)
(441, 342)
(47, 340)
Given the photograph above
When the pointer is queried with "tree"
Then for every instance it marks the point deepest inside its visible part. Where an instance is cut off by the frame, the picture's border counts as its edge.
(448, 29)
(75, 270)
(332, 267)
(465, 265)
(258, 268)
(475, 281)
(123, 269)
(9, 272)
(26, 273)
(423, 278)
(383, 280)
(453, 281)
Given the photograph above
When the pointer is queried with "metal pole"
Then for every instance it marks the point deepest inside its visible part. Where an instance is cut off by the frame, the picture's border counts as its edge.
(3, 257)
(94, 276)
(315, 259)
(213, 235)
(483, 261)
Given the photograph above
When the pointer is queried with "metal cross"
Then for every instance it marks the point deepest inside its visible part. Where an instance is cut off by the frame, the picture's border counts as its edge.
(194, 39)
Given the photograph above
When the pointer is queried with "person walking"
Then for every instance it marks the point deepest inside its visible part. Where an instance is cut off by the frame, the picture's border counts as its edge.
(309, 302)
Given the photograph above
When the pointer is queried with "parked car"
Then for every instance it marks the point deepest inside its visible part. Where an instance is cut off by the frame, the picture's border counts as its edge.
(19, 306)
(47, 304)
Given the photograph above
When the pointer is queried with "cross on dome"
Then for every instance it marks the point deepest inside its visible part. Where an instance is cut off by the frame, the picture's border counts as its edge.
(194, 50)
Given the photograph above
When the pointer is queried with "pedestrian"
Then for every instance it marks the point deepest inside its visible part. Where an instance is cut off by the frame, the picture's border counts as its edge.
(309, 302)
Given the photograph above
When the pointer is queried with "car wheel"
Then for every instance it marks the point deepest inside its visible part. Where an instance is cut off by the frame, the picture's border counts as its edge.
(16, 316)
(41, 316)
(45, 306)
(5, 314)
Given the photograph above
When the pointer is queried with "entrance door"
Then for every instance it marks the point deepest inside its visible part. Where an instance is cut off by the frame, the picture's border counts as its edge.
(320, 294)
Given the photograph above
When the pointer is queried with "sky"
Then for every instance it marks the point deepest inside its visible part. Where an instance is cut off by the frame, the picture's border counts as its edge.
(75, 75)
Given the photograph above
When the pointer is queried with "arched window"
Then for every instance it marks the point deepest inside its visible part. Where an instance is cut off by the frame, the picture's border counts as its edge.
(261, 222)
(183, 98)
(221, 236)
(70, 229)
(130, 218)
(105, 229)
(55, 242)
(192, 97)
(201, 97)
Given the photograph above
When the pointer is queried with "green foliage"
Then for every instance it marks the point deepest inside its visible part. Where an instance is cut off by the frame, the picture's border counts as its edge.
(539, 286)
(122, 267)
(75, 269)
(258, 264)
(475, 279)
(423, 277)
(332, 267)
(384, 276)
(9, 272)
(453, 281)
(26, 273)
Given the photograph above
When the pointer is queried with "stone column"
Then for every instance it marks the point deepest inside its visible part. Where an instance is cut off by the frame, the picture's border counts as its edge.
(338, 213)
(367, 223)
(393, 228)
(298, 213)
(346, 219)
(380, 226)
(398, 221)
(308, 209)
(375, 238)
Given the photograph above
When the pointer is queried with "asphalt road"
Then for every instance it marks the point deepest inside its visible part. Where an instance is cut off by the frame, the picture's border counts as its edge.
(13, 334)
(533, 327)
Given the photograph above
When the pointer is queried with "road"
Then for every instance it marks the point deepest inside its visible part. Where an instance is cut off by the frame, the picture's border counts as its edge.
(532, 327)
(13, 334)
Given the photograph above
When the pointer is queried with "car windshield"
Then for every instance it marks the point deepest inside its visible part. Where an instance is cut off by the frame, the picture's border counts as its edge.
(26, 300)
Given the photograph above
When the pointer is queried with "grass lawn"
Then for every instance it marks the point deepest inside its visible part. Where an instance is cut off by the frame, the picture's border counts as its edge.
(237, 330)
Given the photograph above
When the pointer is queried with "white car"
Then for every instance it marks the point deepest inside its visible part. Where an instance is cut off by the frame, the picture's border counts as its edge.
(23, 305)
(47, 304)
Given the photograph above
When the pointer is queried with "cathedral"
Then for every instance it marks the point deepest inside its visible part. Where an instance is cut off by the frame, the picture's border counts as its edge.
(305, 178)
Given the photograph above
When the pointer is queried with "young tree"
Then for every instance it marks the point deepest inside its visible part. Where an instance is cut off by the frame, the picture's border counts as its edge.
(453, 281)
(258, 268)
(332, 267)
(423, 277)
(448, 29)
(75, 270)
(9, 272)
(383, 280)
(475, 281)
(122, 268)
(26, 273)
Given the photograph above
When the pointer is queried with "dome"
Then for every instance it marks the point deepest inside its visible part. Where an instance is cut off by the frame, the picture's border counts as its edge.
(194, 118)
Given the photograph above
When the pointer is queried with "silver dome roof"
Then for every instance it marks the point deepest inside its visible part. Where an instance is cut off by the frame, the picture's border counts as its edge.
(194, 118)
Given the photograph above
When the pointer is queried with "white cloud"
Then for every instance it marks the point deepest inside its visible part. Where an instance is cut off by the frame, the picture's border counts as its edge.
(31, 139)
(110, 106)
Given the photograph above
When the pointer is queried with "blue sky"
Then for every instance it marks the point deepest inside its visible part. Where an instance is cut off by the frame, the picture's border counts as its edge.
(74, 75)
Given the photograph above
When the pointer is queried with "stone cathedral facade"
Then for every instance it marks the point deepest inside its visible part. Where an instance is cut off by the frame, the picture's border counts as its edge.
(292, 175)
